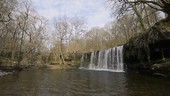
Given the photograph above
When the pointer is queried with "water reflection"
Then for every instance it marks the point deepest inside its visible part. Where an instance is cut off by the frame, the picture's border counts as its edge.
(93, 83)
(81, 83)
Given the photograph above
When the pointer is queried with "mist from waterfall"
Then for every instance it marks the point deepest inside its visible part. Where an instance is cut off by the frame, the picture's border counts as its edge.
(105, 60)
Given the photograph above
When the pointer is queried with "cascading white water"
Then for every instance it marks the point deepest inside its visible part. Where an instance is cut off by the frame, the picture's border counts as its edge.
(107, 60)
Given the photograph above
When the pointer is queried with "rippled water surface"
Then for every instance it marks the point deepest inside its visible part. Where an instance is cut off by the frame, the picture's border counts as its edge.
(82, 83)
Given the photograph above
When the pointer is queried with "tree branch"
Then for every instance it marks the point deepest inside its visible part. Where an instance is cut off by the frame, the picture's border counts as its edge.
(165, 2)
(145, 2)
(154, 7)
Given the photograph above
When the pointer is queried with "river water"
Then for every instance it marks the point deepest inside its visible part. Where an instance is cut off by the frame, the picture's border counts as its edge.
(45, 82)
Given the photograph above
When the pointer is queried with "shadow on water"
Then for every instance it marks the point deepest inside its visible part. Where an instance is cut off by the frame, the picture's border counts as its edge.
(82, 83)
(147, 85)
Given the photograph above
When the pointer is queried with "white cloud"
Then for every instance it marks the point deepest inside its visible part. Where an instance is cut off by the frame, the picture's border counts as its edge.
(93, 10)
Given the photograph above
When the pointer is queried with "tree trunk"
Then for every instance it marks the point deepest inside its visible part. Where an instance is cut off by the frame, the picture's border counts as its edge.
(139, 17)
(162, 53)
(147, 49)
(148, 20)
(20, 49)
(62, 57)
(61, 53)
(168, 17)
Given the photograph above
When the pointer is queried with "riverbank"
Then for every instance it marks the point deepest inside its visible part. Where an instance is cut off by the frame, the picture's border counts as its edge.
(12, 68)
(56, 67)
(62, 66)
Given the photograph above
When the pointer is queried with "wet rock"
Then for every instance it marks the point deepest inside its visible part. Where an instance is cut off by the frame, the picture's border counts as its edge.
(161, 67)
(2, 73)
(160, 74)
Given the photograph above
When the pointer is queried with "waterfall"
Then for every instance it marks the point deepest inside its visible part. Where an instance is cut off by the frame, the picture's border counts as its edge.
(105, 60)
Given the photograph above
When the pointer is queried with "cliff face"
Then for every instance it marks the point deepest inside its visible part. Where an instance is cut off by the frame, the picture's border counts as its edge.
(149, 48)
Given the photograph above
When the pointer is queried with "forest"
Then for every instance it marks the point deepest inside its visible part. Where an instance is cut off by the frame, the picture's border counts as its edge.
(26, 38)
(101, 48)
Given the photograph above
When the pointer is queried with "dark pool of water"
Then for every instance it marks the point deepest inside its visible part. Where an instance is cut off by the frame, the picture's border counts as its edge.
(82, 83)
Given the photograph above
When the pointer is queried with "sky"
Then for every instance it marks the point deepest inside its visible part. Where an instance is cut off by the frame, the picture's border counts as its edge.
(94, 12)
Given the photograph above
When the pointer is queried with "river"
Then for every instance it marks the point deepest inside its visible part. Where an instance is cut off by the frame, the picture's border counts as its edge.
(46, 82)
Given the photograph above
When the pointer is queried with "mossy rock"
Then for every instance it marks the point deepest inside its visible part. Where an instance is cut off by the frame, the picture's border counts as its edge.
(139, 50)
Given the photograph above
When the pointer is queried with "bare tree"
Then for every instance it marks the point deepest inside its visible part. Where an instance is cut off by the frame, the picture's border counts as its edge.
(68, 32)
(7, 27)
(31, 32)
(22, 32)
(157, 5)
(97, 39)
(63, 33)
(23, 18)
(78, 30)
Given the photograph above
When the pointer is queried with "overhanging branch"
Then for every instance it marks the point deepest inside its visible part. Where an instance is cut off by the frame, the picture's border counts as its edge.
(144, 2)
